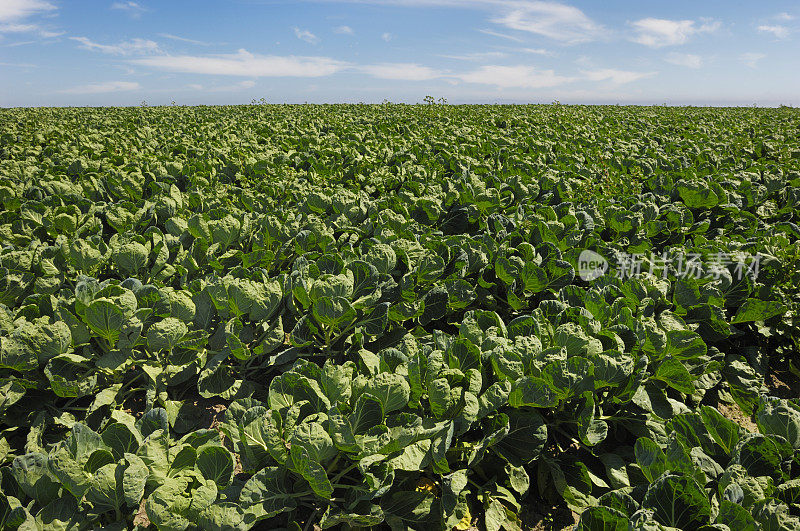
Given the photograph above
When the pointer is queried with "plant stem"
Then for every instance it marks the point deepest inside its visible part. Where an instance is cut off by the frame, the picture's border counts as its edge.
(471, 481)
(333, 463)
(131, 381)
(129, 392)
(310, 520)
(343, 472)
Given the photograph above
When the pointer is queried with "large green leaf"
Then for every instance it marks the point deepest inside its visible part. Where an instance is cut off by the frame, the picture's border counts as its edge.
(105, 319)
(779, 417)
(168, 505)
(312, 471)
(526, 437)
(677, 501)
(675, 375)
(650, 458)
(31, 474)
(533, 392)
(266, 494)
(602, 519)
(724, 431)
(392, 390)
(569, 378)
(106, 492)
(166, 334)
(70, 376)
(758, 310)
(215, 463)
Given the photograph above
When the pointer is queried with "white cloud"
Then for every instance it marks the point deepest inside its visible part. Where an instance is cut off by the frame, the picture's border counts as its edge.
(684, 59)
(344, 30)
(501, 35)
(400, 71)
(537, 51)
(125, 68)
(11, 10)
(236, 87)
(520, 76)
(659, 32)
(19, 65)
(183, 39)
(477, 56)
(305, 35)
(556, 21)
(387, 36)
(751, 59)
(20, 43)
(13, 15)
(246, 64)
(18, 28)
(784, 16)
(131, 47)
(132, 8)
(29, 28)
(617, 77)
(780, 32)
(101, 88)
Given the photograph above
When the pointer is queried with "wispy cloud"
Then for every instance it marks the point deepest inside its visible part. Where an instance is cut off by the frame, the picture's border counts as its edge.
(18, 28)
(14, 15)
(520, 76)
(387, 36)
(305, 35)
(617, 77)
(19, 65)
(133, 9)
(560, 22)
(501, 35)
(476, 56)
(29, 28)
(245, 64)
(536, 51)
(131, 47)
(400, 71)
(751, 59)
(784, 16)
(236, 87)
(101, 88)
(344, 30)
(18, 43)
(13, 10)
(184, 39)
(779, 31)
(659, 32)
(684, 59)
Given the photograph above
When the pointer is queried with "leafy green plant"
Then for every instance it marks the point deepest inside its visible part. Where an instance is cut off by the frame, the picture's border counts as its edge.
(377, 315)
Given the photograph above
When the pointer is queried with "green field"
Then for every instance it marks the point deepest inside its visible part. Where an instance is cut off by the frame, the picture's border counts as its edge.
(400, 316)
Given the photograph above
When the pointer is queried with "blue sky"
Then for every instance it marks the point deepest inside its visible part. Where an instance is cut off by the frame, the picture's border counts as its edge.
(106, 52)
